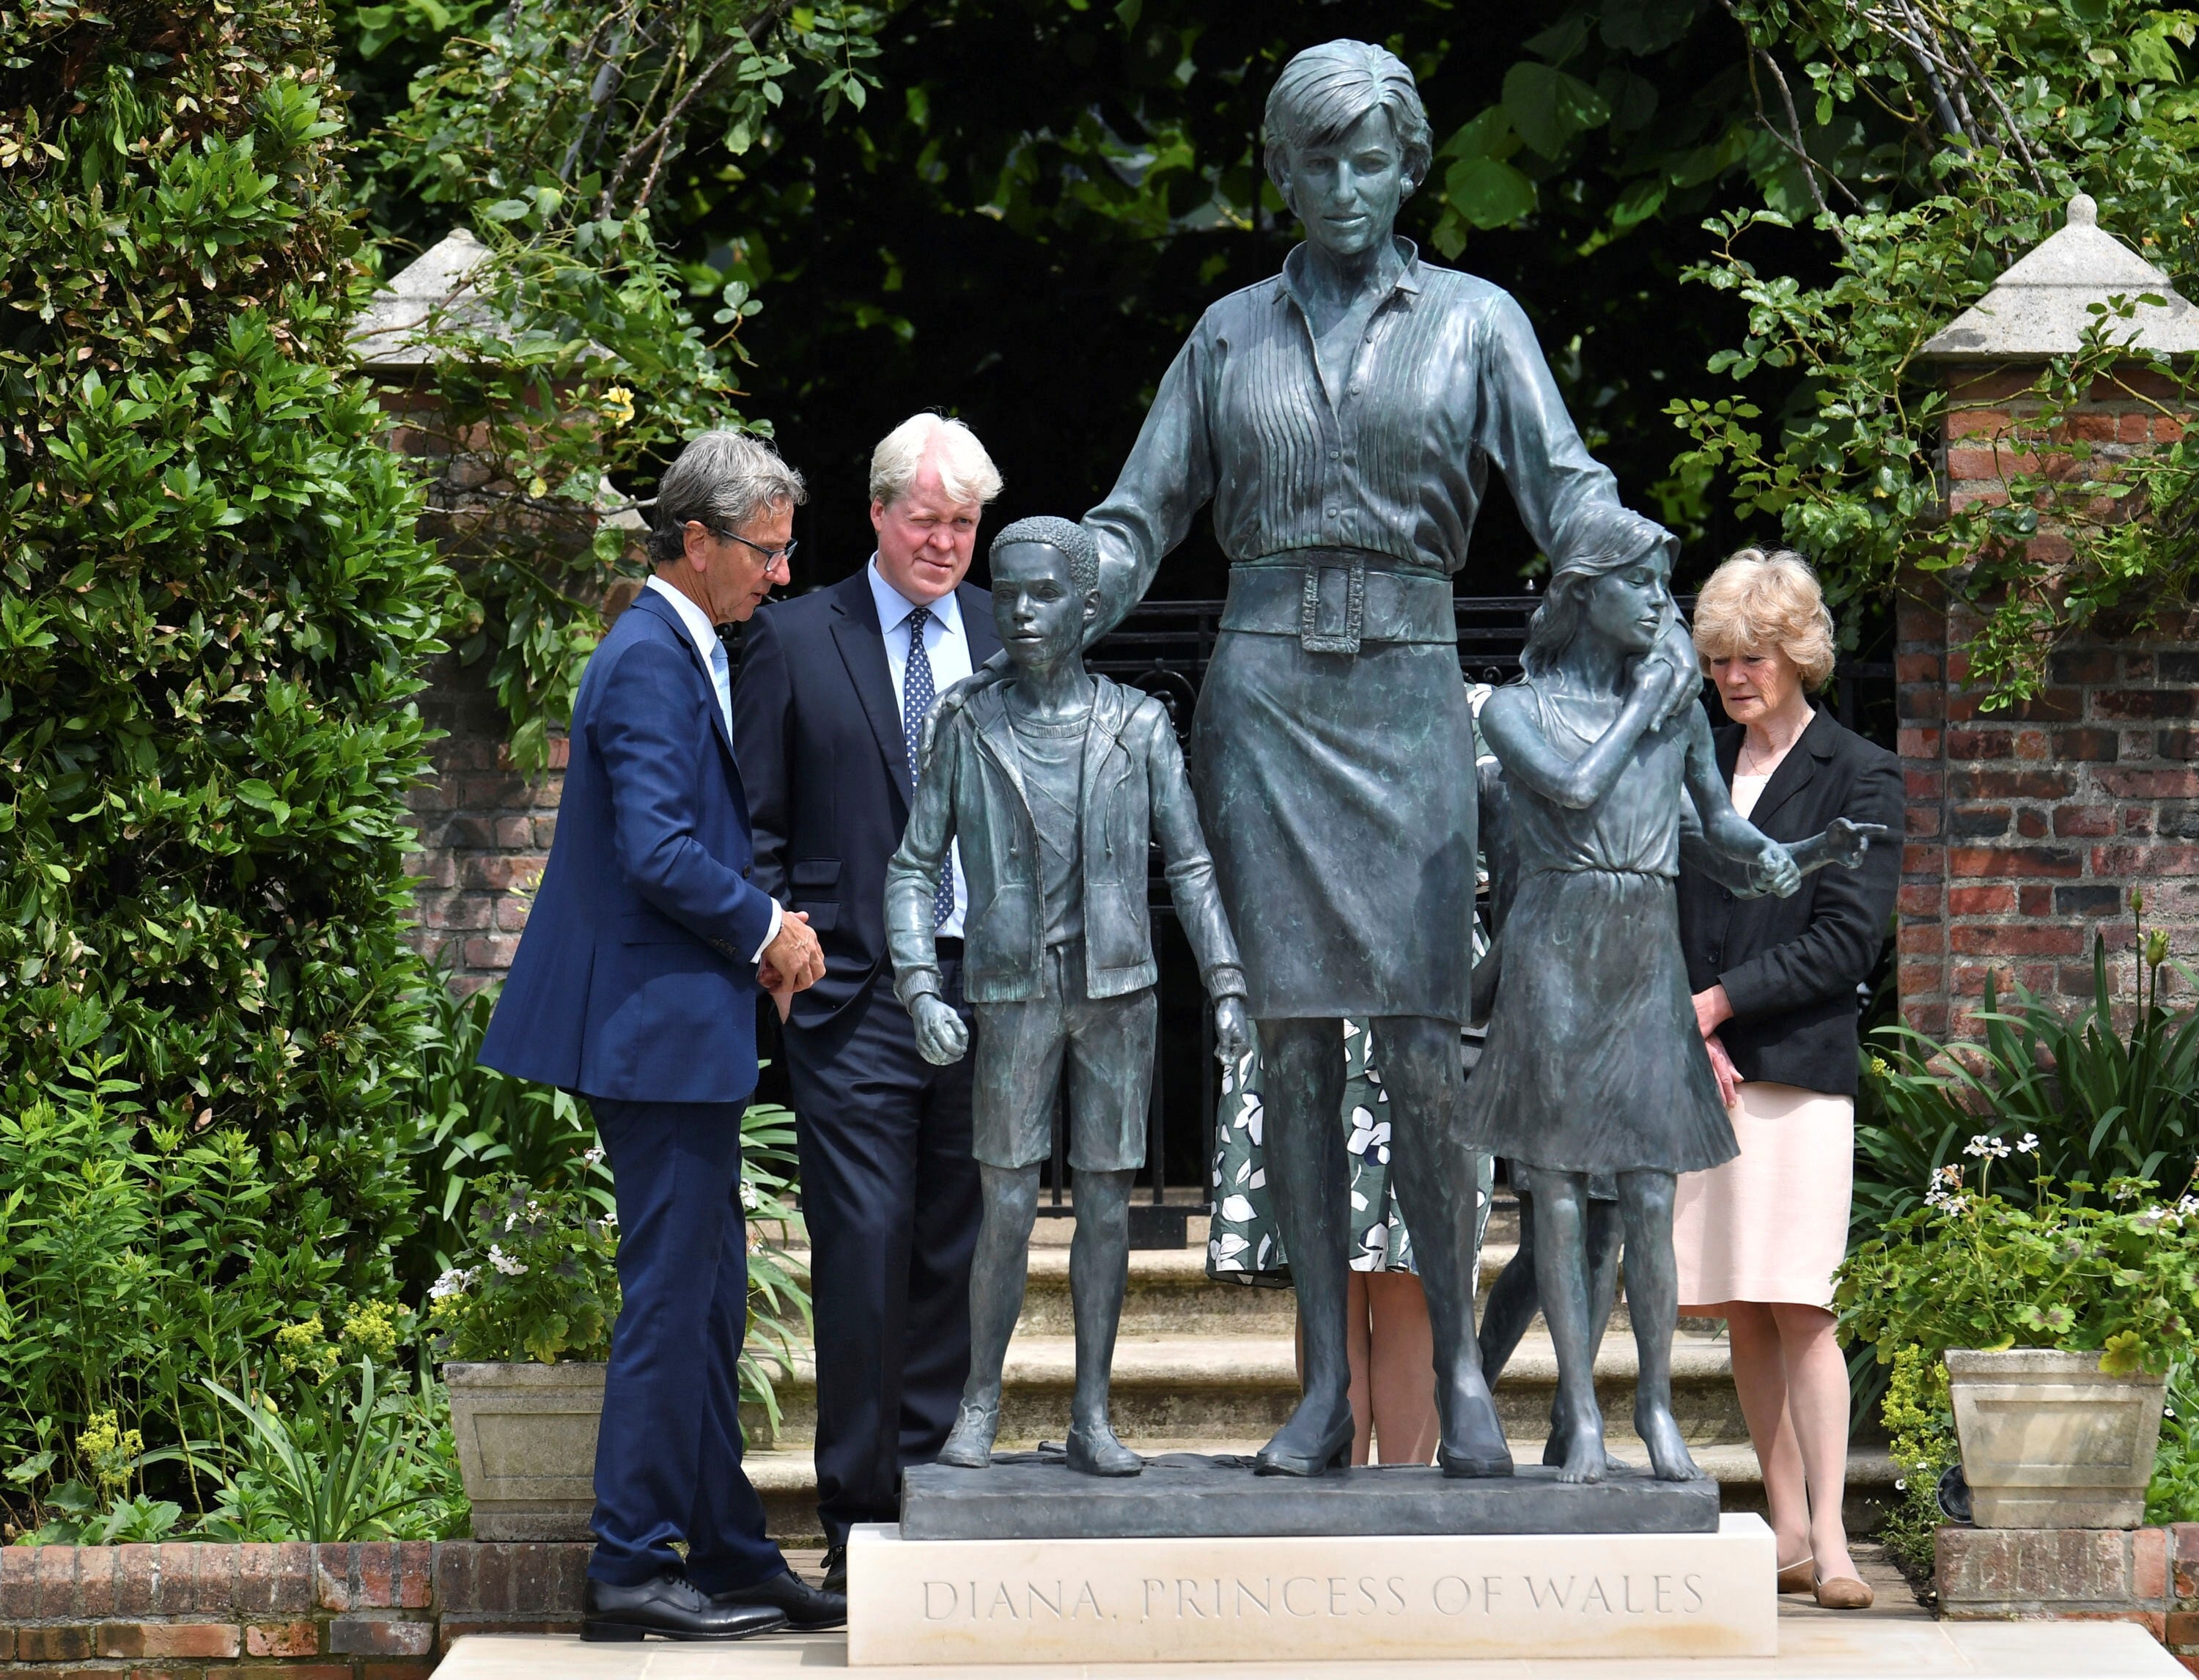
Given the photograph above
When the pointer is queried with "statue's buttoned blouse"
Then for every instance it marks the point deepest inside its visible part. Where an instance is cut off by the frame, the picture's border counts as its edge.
(1446, 379)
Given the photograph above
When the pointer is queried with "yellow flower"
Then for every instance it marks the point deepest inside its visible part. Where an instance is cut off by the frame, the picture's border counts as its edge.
(109, 1448)
(618, 406)
(304, 1346)
(371, 1329)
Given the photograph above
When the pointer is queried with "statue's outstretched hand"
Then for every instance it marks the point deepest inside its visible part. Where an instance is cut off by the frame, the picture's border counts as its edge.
(1846, 842)
(1232, 1031)
(956, 697)
(1843, 844)
(941, 1036)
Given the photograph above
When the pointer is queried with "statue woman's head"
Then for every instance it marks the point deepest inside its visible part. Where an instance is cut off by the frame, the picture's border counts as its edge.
(1347, 142)
(1612, 581)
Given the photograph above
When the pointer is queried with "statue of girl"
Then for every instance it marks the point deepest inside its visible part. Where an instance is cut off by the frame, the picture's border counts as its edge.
(1594, 1064)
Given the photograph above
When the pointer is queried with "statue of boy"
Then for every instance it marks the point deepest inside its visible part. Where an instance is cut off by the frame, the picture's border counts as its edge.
(1053, 782)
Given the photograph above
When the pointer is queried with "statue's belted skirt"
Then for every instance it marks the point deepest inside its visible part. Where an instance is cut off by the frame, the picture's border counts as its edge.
(1336, 791)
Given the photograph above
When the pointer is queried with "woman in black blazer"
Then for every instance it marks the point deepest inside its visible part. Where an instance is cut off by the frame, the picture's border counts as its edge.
(1775, 982)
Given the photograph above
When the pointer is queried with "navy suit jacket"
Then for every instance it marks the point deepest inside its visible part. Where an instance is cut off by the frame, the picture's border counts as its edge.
(818, 728)
(634, 979)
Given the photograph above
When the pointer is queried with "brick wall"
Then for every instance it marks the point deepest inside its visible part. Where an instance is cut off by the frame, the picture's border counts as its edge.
(2149, 1576)
(2029, 826)
(351, 1612)
(484, 830)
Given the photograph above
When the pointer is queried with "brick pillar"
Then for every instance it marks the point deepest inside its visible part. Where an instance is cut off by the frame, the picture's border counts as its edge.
(485, 831)
(2029, 826)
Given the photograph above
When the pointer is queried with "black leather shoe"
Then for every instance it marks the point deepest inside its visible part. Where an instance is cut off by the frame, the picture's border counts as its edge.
(803, 1608)
(836, 1569)
(671, 1606)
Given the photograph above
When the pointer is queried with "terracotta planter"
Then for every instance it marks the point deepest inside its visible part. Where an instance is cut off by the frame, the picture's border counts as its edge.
(526, 1436)
(2049, 1442)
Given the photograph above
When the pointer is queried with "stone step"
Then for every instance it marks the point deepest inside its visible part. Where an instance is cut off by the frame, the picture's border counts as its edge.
(1212, 1387)
(1169, 1293)
(787, 1479)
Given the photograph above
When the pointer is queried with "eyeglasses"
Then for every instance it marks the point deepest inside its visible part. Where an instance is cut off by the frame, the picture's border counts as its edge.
(770, 556)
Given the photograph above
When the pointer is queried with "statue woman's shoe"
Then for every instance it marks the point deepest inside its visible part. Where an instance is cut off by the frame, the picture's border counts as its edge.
(969, 1443)
(1474, 1444)
(1100, 1454)
(1333, 1452)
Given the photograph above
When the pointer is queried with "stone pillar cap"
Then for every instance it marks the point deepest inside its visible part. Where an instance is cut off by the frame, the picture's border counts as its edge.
(385, 334)
(2040, 306)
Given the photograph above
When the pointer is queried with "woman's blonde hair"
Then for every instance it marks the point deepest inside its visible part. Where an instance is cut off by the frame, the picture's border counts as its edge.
(1757, 601)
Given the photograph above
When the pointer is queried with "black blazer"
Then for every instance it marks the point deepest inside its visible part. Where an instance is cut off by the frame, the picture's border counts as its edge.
(817, 730)
(1792, 965)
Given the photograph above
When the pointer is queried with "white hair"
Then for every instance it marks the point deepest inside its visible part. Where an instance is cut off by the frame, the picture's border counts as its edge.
(966, 472)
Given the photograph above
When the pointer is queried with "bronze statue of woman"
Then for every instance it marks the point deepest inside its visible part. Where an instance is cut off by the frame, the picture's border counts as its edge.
(1342, 419)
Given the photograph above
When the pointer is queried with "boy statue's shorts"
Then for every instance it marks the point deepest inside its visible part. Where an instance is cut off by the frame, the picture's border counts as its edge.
(1019, 1049)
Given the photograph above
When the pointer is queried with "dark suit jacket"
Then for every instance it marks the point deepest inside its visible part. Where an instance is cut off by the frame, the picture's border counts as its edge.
(634, 979)
(1792, 965)
(818, 727)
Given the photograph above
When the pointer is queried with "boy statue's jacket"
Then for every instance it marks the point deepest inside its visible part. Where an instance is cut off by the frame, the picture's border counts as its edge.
(1134, 789)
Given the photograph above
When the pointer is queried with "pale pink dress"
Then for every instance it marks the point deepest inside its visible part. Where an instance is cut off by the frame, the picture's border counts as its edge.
(1772, 1223)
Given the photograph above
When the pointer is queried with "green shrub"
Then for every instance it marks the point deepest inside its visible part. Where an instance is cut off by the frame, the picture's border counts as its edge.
(474, 1123)
(215, 609)
(135, 1259)
(2102, 1099)
(540, 1281)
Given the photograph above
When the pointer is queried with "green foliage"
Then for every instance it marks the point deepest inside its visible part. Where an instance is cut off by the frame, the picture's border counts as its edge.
(474, 1121)
(1973, 1269)
(2101, 1090)
(135, 1258)
(319, 1465)
(215, 615)
(539, 1281)
(572, 368)
(2173, 1495)
(1920, 1423)
(1937, 152)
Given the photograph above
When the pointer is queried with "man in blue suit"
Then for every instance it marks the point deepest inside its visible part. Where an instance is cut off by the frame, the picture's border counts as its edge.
(635, 985)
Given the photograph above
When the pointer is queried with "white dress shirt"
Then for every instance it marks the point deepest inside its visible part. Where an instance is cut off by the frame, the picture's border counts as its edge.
(948, 648)
(705, 636)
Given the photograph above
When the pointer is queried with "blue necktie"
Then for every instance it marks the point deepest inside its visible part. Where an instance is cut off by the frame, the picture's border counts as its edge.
(917, 694)
(721, 675)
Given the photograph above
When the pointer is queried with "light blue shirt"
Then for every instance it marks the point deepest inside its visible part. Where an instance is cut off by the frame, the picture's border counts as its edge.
(705, 636)
(948, 650)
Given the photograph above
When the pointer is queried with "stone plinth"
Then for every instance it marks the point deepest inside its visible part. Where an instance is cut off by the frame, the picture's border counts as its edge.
(1187, 1496)
(1366, 1599)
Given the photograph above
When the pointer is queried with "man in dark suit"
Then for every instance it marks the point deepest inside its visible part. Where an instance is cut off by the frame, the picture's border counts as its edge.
(834, 686)
(635, 985)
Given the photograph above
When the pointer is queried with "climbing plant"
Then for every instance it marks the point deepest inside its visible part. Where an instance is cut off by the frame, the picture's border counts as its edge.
(570, 367)
(1940, 140)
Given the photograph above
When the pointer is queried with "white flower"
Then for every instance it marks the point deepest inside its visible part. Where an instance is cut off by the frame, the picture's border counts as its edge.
(593, 1154)
(452, 1282)
(1900, 1483)
(504, 1263)
(610, 1220)
(749, 1197)
(1990, 1148)
(2189, 1206)
(2027, 1144)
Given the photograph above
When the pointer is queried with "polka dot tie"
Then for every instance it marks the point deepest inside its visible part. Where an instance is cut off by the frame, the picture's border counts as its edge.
(917, 694)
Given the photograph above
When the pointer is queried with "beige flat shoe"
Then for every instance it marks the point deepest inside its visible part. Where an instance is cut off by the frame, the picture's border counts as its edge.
(1845, 1592)
(1798, 1576)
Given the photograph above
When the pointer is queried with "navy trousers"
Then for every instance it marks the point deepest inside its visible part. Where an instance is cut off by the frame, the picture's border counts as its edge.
(890, 1197)
(668, 1455)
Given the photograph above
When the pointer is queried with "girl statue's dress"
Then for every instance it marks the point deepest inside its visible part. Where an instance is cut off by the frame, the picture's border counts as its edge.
(1593, 1062)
